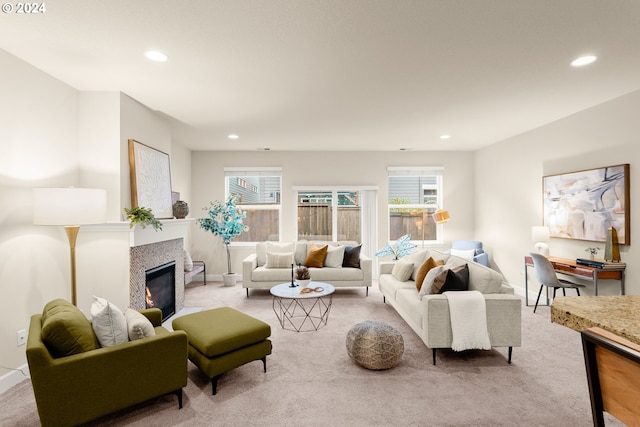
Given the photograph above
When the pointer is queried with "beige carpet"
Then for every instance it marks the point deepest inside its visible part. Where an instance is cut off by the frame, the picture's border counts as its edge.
(311, 381)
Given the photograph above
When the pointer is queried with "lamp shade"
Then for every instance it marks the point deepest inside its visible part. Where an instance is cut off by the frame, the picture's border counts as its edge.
(69, 206)
(441, 216)
(540, 235)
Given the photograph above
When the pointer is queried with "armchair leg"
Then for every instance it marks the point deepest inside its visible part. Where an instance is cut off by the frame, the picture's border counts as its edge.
(264, 363)
(510, 352)
(214, 385)
(247, 292)
(179, 394)
(434, 356)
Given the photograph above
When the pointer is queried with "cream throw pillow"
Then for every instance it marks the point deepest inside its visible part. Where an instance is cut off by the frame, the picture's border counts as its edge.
(188, 262)
(277, 260)
(109, 323)
(335, 255)
(138, 326)
(402, 270)
(427, 283)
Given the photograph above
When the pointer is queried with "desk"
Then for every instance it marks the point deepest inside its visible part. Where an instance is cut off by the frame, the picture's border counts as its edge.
(569, 267)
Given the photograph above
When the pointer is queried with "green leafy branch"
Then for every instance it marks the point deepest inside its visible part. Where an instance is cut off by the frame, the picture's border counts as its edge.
(142, 216)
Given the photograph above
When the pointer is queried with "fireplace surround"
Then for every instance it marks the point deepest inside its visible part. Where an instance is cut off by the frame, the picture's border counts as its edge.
(147, 257)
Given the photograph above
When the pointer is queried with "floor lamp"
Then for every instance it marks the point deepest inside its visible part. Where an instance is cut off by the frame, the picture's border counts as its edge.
(70, 207)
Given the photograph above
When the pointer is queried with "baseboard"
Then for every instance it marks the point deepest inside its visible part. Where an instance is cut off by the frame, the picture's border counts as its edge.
(14, 377)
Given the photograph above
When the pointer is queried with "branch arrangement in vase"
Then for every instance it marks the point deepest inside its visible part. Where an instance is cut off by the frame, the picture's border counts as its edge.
(225, 220)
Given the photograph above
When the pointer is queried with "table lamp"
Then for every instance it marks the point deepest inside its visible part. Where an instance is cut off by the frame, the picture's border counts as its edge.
(541, 235)
(70, 207)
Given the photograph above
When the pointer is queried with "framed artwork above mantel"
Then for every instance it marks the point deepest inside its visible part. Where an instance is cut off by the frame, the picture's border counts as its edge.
(150, 179)
(583, 205)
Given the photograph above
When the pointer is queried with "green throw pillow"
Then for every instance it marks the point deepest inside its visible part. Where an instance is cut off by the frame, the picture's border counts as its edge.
(66, 330)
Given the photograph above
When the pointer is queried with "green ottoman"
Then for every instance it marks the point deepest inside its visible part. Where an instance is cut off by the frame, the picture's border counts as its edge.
(223, 339)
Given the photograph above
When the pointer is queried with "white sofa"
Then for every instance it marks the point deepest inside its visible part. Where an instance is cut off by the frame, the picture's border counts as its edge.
(256, 274)
(428, 315)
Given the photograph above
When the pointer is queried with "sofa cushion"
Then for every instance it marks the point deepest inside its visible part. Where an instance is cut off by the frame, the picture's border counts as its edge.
(66, 330)
(351, 256)
(429, 279)
(424, 269)
(417, 258)
(279, 260)
(402, 270)
(389, 285)
(109, 323)
(316, 256)
(335, 255)
(439, 256)
(274, 247)
(336, 275)
(138, 326)
(300, 253)
(455, 279)
(481, 278)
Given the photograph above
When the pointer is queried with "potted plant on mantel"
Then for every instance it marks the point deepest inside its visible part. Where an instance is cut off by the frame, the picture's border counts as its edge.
(225, 220)
(143, 217)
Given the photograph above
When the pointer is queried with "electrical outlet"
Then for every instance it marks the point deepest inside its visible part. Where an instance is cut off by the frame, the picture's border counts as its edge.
(22, 337)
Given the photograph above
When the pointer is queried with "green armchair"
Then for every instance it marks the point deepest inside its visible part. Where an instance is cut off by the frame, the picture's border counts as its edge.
(81, 387)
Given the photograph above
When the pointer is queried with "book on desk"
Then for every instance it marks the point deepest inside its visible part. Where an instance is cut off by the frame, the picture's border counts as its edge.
(601, 264)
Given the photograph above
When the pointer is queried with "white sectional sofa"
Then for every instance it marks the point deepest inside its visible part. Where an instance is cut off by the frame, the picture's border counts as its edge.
(428, 315)
(257, 273)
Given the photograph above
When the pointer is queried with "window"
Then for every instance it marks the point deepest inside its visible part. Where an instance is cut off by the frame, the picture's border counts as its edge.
(414, 195)
(259, 191)
(329, 214)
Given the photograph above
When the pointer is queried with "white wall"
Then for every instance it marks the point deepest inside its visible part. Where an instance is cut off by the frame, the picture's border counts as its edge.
(39, 145)
(508, 184)
(56, 136)
(330, 169)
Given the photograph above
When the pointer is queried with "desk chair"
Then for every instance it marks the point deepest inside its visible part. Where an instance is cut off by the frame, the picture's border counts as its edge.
(547, 277)
(613, 375)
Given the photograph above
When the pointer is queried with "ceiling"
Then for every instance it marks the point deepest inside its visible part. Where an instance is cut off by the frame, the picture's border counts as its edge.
(379, 75)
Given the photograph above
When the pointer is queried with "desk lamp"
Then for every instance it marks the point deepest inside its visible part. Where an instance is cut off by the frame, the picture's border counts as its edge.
(541, 235)
(70, 207)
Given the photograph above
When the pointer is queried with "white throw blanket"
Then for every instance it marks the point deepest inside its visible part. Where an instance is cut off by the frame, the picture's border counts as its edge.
(468, 320)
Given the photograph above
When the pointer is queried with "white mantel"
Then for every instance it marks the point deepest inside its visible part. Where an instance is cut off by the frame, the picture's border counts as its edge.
(138, 236)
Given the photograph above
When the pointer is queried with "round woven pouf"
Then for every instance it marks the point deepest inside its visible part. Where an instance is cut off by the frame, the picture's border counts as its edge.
(375, 345)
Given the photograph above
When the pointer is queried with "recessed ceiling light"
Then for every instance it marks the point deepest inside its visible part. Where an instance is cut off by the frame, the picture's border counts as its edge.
(583, 60)
(232, 136)
(156, 56)
(445, 136)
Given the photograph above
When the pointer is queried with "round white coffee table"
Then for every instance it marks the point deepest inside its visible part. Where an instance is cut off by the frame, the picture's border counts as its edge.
(301, 310)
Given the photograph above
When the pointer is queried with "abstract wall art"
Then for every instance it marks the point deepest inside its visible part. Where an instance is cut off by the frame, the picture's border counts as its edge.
(150, 179)
(584, 204)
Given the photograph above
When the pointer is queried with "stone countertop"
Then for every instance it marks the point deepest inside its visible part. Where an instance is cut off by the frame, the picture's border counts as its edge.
(618, 314)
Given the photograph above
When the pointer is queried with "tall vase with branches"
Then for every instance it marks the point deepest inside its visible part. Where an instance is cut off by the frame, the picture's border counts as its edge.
(224, 219)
